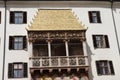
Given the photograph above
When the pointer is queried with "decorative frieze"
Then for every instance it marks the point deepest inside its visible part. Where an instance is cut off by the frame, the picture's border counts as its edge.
(52, 35)
(58, 61)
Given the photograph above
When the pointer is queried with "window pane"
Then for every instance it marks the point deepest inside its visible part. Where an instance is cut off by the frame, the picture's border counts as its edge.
(18, 73)
(16, 46)
(18, 70)
(100, 41)
(94, 19)
(20, 66)
(94, 14)
(20, 39)
(104, 68)
(15, 66)
(16, 39)
(18, 43)
(18, 18)
(15, 73)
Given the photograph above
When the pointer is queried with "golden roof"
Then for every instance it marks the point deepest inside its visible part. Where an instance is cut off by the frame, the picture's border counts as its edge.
(55, 19)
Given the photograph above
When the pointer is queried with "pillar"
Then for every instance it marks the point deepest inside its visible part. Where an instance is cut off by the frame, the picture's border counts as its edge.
(84, 48)
(85, 52)
(49, 48)
(66, 47)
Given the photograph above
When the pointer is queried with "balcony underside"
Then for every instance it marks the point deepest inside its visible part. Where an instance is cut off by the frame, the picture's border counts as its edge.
(59, 73)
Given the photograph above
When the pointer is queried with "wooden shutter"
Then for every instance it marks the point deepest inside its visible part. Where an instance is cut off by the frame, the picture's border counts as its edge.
(12, 17)
(0, 17)
(10, 70)
(24, 17)
(106, 41)
(111, 68)
(90, 16)
(98, 68)
(94, 41)
(25, 70)
(24, 42)
(11, 42)
(98, 17)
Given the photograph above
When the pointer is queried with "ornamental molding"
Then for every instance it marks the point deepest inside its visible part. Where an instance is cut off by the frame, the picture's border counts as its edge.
(56, 35)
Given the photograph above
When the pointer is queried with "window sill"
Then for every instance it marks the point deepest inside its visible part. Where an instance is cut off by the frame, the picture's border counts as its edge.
(17, 77)
(106, 75)
(18, 50)
(18, 23)
(101, 48)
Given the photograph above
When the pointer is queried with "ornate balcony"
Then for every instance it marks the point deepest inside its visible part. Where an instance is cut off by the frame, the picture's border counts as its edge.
(58, 62)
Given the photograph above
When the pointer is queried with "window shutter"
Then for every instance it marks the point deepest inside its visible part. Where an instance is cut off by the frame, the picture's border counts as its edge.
(90, 16)
(98, 17)
(106, 41)
(98, 68)
(25, 70)
(24, 42)
(94, 41)
(12, 17)
(24, 17)
(10, 70)
(0, 17)
(111, 68)
(11, 42)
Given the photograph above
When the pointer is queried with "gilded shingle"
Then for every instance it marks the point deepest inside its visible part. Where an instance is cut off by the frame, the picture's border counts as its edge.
(55, 19)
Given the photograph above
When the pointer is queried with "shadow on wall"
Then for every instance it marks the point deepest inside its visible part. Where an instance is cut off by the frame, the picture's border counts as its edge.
(89, 53)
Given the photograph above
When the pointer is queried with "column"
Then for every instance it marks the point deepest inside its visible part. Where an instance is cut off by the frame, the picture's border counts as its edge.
(49, 52)
(66, 46)
(67, 51)
(85, 52)
(30, 49)
(49, 48)
(84, 48)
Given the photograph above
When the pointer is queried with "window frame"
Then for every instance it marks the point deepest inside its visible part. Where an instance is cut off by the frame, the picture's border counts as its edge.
(13, 17)
(100, 41)
(102, 69)
(18, 43)
(0, 17)
(91, 16)
(18, 69)
(12, 43)
(11, 70)
(18, 17)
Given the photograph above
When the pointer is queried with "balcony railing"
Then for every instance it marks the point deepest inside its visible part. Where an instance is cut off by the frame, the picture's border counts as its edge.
(71, 61)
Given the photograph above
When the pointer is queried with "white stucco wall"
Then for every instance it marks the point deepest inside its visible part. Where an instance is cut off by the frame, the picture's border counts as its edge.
(17, 30)
(2, 10)
(105, 28)
(80, 9)
(116, 12)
